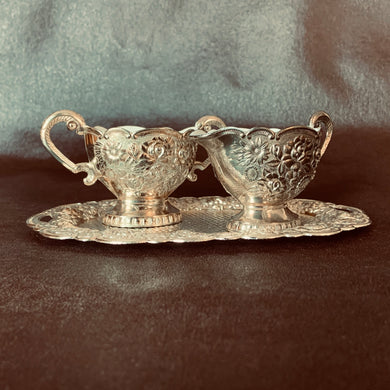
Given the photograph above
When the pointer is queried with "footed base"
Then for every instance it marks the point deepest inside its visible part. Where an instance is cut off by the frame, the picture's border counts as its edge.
(267, 219)
(142, 215)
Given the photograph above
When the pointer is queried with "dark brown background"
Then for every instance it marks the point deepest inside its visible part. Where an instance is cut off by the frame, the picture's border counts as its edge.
(288, 313)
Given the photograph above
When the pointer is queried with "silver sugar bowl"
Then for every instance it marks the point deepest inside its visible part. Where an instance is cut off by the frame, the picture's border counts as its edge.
(263, 167)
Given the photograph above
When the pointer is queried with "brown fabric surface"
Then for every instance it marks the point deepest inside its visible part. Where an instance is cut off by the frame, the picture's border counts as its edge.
(306, 313)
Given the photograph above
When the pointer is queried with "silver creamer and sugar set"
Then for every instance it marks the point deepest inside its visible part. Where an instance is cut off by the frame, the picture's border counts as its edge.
(263, 169)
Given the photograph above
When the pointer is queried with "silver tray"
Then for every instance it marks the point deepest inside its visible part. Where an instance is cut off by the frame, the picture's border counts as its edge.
(204, 219)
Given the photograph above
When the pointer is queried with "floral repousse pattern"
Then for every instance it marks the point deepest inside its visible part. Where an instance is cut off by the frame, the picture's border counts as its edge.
(144, 163)
(254, 151)
(277, 167)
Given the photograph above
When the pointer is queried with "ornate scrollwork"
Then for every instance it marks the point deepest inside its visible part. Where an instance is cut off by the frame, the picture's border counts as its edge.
(76, 123)
(209, 122)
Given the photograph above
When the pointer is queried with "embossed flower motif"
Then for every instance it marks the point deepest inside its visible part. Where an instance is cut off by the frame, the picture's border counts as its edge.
(275, 183)
(252, 173)
(111, 150)
(123, 172)
(136, 182)
(134, 152)
(298, 152)
(317, 156)
(185, 152)
(294, 174)
(252, 151)
(158, 148)
(165, 178)
(70, 217)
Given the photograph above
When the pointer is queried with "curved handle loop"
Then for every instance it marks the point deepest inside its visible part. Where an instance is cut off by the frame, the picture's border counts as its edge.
(205, 124)
(209, 122)
(74, 122)
(316, 120)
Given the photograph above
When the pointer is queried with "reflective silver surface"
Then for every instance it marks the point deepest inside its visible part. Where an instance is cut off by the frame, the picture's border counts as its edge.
(263, 168)
(141, 167)
(204, 219)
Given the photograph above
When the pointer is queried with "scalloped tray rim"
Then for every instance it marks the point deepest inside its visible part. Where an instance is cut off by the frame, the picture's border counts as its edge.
(221, 204)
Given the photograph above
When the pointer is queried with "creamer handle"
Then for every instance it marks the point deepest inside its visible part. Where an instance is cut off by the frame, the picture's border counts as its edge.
(74, 122)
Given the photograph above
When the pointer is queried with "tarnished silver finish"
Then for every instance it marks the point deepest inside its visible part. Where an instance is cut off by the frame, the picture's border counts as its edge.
(141, 167)
(204, 219)
(263, 168)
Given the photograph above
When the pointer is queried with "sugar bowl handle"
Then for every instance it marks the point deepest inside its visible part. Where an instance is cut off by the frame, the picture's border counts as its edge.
(317, 120)
(205, 124)
(74, 122)
(209, 122)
